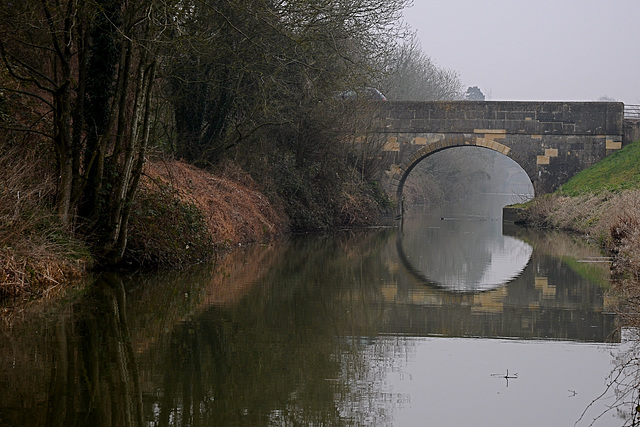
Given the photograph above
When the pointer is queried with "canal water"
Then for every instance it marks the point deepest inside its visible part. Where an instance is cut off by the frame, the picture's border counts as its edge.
(450, 319)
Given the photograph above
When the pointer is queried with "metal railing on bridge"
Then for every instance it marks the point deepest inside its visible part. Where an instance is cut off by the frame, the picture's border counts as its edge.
(632, 111)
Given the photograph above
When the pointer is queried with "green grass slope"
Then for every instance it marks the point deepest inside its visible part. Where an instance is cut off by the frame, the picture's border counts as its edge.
(619, 171)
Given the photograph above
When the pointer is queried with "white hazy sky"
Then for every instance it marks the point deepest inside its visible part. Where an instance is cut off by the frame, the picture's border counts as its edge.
(553, 50)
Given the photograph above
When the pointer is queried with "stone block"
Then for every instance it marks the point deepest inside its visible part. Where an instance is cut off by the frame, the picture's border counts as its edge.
(419, 125)
(438, 113)
(473, 114)
(501, 148)
(512, 126)
(392, 144)
(491, 131)
(551, 127)
(613, 145)
(429, 148)
(422, 113)
(404, 125)
(548, 116)
(542, 160)
(434, 137)
(403, 114)
(517, 115)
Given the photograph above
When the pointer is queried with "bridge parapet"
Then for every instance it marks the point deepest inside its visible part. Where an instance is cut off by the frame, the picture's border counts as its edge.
(515, 117)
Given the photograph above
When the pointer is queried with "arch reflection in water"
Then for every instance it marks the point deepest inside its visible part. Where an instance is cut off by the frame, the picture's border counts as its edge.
(462, 253)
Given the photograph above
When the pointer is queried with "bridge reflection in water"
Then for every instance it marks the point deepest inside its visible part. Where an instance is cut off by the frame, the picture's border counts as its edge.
(463, 254)
(468, 276)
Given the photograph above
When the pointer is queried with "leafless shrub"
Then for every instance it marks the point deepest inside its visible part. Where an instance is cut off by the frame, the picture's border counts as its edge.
(36, 254)
(622, 385)
(357, 206)
(25, 189)
(540, 212)
(625, 233)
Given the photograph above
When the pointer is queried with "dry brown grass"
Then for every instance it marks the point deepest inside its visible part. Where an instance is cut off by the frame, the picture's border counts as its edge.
(594, 215)
(613, 220)
(36, 255)
(36, 270)
(233, 208)
(625, 233)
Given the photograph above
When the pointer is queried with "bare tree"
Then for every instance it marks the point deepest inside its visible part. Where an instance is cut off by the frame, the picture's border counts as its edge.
(243, 66)
(263, 73)
(411, 75)
(474, 93)
(89, 65)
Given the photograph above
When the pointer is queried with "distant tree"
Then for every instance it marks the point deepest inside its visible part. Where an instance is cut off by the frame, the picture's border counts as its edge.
(474, 93)
(411, 75)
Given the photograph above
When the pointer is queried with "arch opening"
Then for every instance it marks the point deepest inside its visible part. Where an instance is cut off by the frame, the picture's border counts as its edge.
(458, 170)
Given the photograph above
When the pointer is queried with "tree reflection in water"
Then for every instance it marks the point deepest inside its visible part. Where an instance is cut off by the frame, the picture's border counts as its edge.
(94, 379)
(624, 382)
(282, 355)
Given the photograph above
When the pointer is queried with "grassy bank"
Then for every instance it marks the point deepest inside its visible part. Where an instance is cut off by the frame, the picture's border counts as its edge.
(182, 215)
(603, 204)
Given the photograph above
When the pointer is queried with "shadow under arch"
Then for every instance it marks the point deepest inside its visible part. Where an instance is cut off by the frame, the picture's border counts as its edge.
(489, 141)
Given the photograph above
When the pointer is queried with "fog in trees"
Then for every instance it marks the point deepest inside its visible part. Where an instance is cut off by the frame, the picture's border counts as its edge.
(454, 173)
(411, 75)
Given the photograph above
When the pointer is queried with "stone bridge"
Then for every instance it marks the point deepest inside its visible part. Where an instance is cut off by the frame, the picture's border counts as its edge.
(551, 141)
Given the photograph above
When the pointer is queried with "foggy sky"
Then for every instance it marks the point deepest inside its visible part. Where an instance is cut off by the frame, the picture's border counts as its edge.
(553, 50)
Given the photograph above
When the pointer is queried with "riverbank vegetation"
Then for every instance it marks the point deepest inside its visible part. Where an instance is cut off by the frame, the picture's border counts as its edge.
(158, 133)
(603, 203)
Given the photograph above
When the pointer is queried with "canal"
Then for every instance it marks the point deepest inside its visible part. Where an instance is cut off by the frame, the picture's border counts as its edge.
(451, 318)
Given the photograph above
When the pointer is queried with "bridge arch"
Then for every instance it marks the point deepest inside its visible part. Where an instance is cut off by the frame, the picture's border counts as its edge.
(489, 141)
(551, 141)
